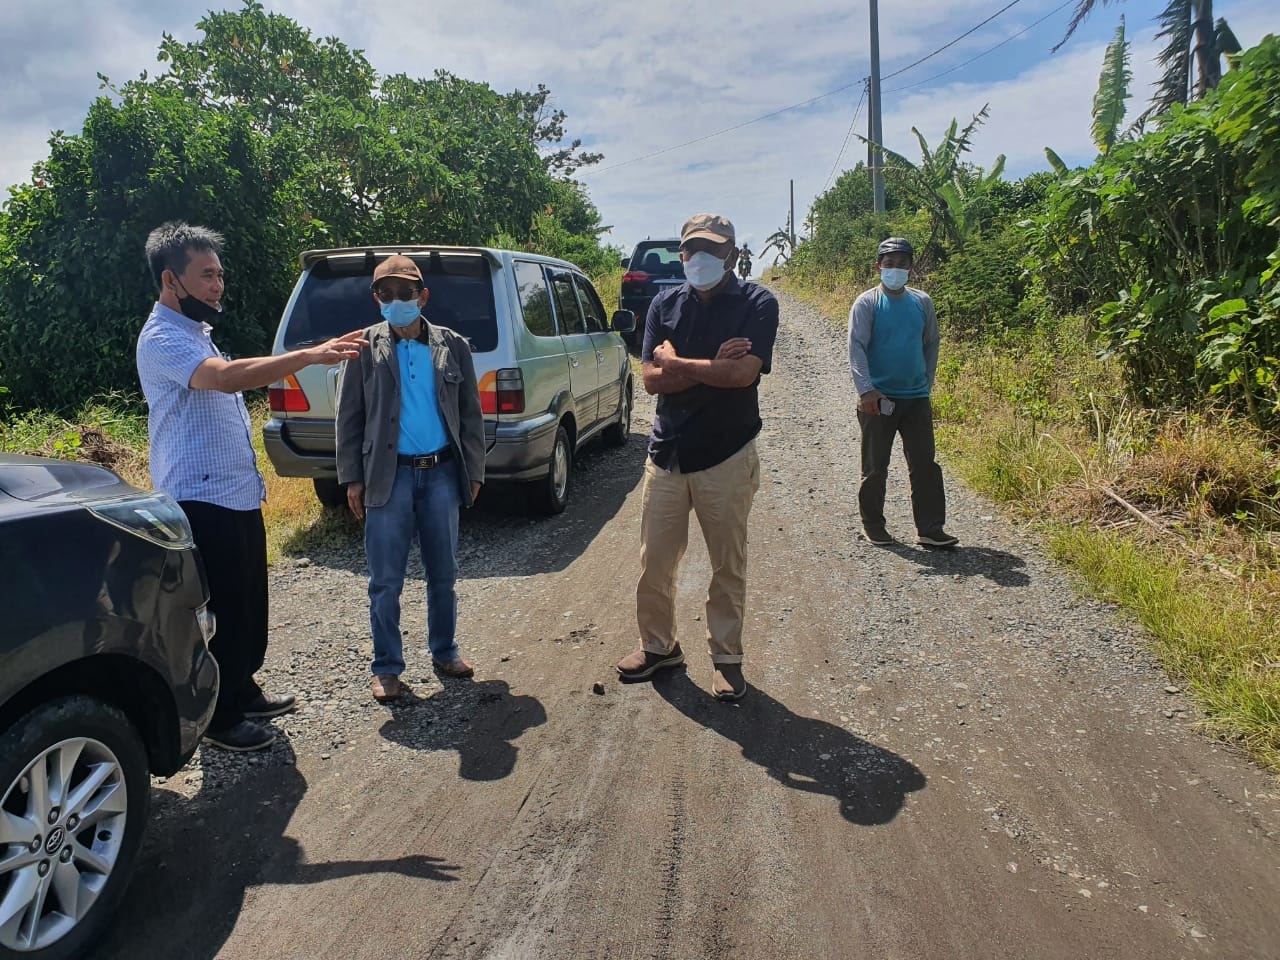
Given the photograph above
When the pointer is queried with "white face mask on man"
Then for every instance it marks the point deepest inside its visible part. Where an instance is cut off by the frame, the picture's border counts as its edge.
(895, 278)
(704, 270)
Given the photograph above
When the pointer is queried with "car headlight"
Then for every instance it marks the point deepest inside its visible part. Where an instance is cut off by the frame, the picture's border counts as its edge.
(152, 516)
(208, 622)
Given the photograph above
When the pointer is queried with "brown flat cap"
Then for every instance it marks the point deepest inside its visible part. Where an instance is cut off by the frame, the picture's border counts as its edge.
(397, 266)
(707, 226)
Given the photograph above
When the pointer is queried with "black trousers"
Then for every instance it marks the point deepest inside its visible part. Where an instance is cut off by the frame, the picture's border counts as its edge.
(913, 419)
(233, 545)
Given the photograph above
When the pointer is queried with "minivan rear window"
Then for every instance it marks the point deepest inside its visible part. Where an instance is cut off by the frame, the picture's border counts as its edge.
(336, 299)
(660, 259)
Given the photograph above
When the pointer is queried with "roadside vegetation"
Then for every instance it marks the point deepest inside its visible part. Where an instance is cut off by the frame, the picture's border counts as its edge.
(283, 141)
(1110, 366)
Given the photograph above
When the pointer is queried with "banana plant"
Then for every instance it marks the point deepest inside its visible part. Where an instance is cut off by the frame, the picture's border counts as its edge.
(1113, 91)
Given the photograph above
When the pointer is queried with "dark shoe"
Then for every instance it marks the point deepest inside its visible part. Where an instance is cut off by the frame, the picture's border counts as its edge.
(641, 665)
(386, 687)
(457, 668)
(245, 737)
(728, 683)
(270, 704)
(939, 538)
(877, 536)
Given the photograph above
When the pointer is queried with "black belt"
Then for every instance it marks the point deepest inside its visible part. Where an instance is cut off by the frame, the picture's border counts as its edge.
(424, 461)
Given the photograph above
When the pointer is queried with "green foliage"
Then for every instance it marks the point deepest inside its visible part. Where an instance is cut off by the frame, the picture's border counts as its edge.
(952, 192)
(1113, 91)
(282, 141)
(1171, 241)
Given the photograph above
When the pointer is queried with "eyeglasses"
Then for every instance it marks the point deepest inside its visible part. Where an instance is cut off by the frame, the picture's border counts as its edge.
(386, 295)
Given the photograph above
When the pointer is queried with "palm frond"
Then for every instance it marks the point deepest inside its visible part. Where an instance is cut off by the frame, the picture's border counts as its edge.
(1079, 16)
(1113, 91)
(1175, 83)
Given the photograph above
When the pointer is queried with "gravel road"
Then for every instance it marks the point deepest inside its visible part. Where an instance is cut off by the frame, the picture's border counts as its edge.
(944, 754)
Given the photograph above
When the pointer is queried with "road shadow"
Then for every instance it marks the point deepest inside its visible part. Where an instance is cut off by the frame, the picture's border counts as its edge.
(203, 854)
(479, 720)
(803, 753)
(1001, 568)
(601, 480)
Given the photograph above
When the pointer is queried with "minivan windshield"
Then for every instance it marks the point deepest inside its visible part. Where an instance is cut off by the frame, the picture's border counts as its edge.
(335, 298)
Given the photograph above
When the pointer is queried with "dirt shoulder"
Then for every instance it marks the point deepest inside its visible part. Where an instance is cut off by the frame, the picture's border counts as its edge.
(943, 754)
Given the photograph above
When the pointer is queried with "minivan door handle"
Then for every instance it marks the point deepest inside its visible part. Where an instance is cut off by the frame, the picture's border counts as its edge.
(573, 361)
(599, 357)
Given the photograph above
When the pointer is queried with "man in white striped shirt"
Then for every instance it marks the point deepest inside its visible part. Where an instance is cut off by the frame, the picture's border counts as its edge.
(202, 456)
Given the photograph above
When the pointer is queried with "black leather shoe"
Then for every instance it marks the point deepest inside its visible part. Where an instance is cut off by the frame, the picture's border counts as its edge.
(270, 704)
(245, 737)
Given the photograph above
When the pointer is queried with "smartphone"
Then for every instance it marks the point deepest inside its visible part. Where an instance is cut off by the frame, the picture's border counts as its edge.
(886, 406)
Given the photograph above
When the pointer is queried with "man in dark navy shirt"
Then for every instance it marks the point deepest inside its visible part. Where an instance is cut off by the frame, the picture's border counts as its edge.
(706, 343)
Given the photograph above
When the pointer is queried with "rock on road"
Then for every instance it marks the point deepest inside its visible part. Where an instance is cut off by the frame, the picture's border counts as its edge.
(943, 755)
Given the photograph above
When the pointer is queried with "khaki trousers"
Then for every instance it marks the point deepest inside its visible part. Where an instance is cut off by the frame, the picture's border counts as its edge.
(721, 498)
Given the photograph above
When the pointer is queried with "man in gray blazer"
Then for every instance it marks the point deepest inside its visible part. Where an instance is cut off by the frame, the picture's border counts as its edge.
(410, 440)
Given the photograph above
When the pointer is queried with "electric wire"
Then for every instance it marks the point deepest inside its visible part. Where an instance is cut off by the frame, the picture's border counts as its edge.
(951, 43)
(961, 66)
(844, 146)
(586, 172)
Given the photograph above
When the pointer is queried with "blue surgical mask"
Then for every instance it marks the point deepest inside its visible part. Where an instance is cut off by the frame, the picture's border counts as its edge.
(895, 278)
(704, 270)
(400, 313)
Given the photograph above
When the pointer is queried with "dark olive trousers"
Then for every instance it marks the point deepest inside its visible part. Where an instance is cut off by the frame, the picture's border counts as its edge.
(913, 419)
(233, 546)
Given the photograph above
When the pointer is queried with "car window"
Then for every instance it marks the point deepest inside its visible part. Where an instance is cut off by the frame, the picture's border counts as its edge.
(535, 299)
(567, 308)
(335, 298)
(661, 259)
(592, 308)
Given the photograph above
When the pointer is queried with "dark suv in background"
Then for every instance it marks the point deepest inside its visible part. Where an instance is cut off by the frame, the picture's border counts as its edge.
(105, 677)
(654, 266)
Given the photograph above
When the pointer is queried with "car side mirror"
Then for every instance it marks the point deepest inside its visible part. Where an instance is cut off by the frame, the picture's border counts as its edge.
(626, 262)
(624, 321)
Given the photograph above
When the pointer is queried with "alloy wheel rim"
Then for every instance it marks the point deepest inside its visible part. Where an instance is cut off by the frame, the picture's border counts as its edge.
(560, 469)
(62, 826)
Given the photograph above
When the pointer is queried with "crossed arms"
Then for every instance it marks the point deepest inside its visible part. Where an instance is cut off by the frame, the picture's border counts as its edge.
(733, 366)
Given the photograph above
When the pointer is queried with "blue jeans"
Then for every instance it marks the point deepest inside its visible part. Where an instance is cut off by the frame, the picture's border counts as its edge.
(425, 502)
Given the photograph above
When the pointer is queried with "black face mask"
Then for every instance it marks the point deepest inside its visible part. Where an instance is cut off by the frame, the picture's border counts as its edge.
(198, 310)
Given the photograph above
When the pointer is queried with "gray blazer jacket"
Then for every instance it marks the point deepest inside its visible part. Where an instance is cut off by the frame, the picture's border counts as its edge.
(368, 416)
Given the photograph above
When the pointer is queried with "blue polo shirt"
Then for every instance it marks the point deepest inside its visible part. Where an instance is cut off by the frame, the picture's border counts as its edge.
(421, 427)
(703, 426)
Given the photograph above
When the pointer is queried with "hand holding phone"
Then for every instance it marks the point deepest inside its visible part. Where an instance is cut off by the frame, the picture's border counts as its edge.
(886, 406)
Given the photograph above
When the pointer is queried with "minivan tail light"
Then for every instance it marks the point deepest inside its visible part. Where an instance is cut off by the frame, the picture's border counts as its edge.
(287, 396)
(635, 276)
(502, 391)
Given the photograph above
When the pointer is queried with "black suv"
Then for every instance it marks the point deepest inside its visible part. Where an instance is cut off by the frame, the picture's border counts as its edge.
(654, 266)
(105, 677)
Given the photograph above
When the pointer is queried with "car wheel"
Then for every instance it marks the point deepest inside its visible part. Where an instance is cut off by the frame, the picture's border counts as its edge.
(329, 492)
(74, 792)
(551, 493)
(616, 434)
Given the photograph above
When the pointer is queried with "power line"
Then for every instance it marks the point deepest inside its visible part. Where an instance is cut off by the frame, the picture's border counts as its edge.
(961, 66)
(717, 133)
(951, 43)
(852, 123)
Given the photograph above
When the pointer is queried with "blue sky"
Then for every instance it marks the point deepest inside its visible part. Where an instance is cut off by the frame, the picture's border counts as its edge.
(635, 80)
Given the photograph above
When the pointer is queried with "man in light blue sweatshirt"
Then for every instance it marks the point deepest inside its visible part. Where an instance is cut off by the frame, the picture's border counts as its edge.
(893, 354)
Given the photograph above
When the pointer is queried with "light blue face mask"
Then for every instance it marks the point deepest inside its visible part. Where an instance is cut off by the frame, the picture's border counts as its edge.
(400, 313)
(895, 278)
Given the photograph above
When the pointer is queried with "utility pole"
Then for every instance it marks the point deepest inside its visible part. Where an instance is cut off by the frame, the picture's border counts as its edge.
(792, 222)
(877, 131)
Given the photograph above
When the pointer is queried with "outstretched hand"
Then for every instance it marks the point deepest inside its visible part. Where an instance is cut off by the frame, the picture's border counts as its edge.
(345, 347)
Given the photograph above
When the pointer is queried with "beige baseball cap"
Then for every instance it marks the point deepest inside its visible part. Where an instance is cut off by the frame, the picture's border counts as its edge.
(397, 266)
(707, 226)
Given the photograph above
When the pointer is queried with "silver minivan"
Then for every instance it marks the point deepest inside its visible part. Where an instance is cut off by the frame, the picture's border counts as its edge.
(553, 371)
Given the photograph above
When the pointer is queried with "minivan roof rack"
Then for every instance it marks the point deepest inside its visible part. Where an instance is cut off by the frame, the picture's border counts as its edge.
(309, 258)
